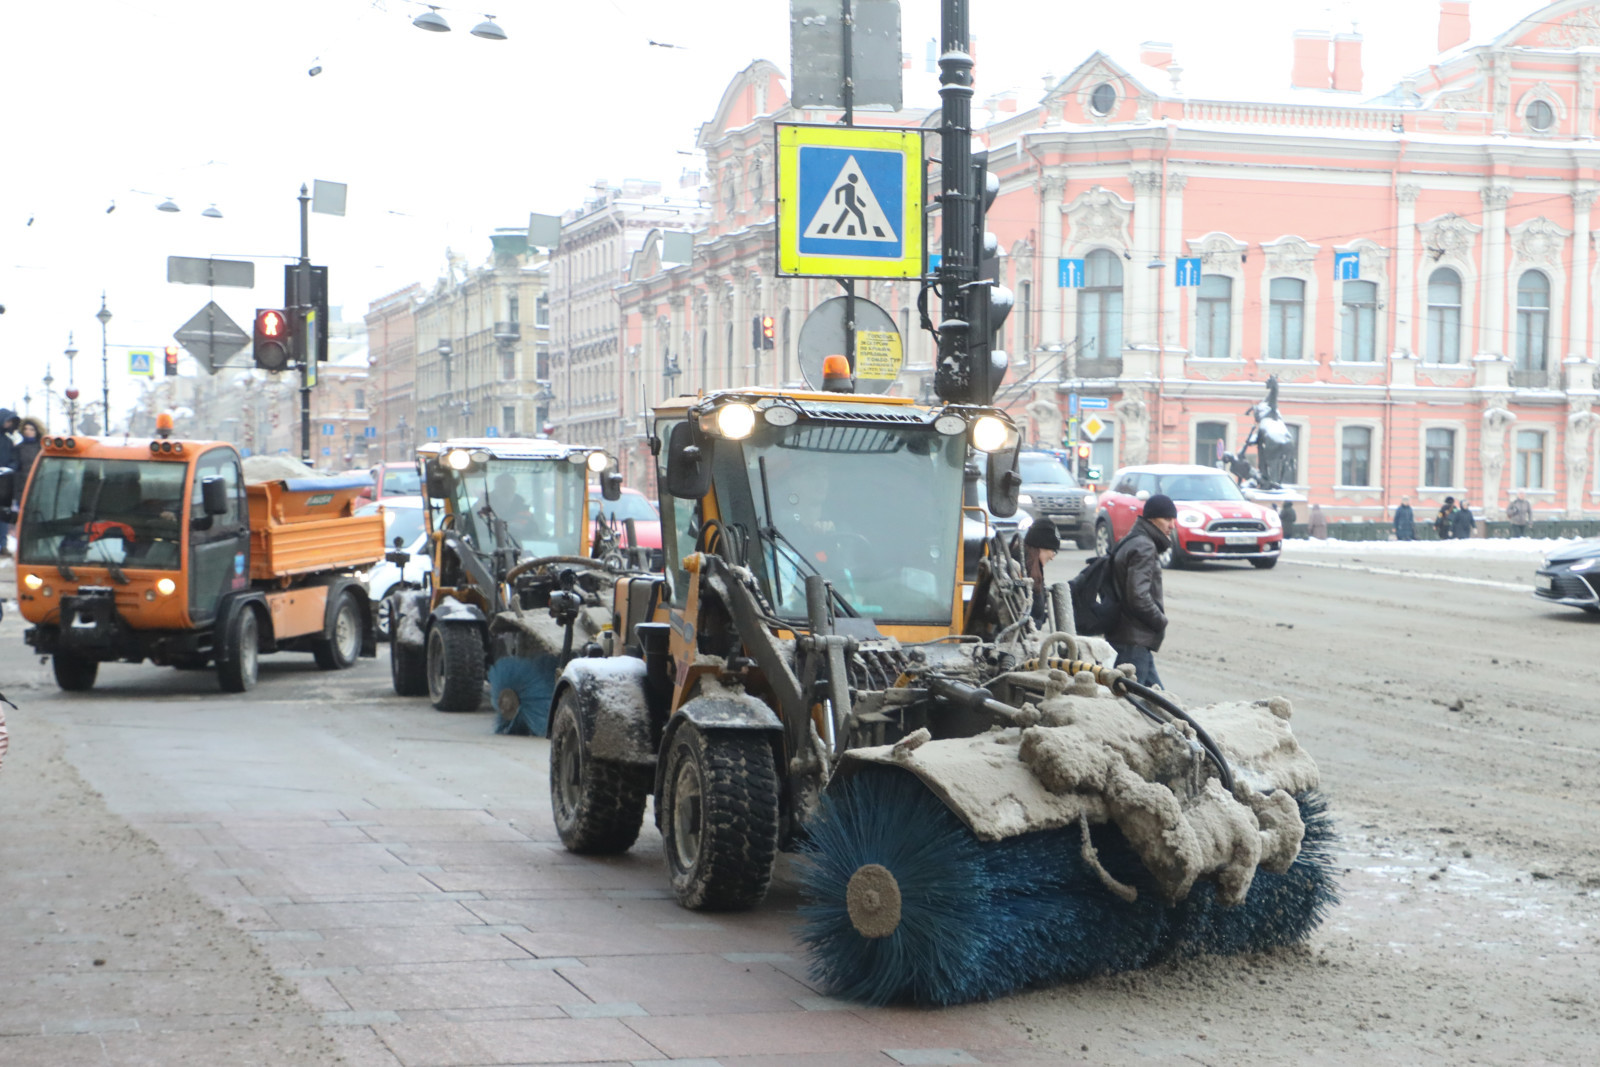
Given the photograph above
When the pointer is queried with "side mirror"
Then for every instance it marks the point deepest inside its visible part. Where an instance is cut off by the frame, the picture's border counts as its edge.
(1143, 494)
(688, 462)
(214, 495)
(399, 559)
(611, 485)
(1005, 483)
(399, 542)
(435, 481)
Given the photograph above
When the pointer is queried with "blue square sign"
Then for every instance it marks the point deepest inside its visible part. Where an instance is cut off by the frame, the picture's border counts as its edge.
(1346, 266)
(1188, 275)
(1069, 273)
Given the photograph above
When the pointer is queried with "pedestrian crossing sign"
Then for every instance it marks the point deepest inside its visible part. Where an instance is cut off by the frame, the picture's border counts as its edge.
(142, 364)
(849, 202)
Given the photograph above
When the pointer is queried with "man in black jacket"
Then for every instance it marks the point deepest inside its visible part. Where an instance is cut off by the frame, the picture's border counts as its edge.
(1136, 569)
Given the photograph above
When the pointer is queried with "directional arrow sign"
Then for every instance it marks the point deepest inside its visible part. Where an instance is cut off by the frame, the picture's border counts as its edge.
(211, 337)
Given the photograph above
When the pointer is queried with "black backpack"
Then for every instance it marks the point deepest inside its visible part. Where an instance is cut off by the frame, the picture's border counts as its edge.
(1095, 603)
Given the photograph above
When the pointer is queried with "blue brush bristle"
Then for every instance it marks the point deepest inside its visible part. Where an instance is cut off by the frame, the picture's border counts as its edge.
(982, 919)
(534, 681)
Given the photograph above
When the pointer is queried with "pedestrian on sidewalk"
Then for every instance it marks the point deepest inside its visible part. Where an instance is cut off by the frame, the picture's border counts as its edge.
(1405, 522)
(1462, 525)
(1520, 515)
(1141, 606)
(1441, 521)
(1319, 523)
(1039, 546)
(1288, 517)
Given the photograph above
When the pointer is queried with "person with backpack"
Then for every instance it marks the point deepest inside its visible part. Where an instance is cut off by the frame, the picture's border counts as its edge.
(1141, 620)
(1040, 545)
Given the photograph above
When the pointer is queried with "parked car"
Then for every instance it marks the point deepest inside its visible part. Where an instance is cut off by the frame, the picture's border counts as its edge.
(402, 518)
(1571, 576)
(1051, 492)
(1215, 521)
(393, 479)
(636, 506)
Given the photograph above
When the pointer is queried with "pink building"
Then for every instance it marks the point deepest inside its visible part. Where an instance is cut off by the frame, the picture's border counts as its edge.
(1456, 360)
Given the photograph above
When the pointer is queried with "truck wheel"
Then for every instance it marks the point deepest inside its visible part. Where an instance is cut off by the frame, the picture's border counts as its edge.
(341, 648)
(236, 670)
(720, 819)
(75, 674)
(455, 667)
(408, 669)
(598, 804)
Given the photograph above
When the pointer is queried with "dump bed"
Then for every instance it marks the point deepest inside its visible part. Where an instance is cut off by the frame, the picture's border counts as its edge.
(304, 525)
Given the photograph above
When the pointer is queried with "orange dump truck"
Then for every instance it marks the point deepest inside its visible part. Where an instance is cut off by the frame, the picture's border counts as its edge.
(160, 550)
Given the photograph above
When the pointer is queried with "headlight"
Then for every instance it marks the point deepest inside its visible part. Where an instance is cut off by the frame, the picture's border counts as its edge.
(458, 459)
(1091, 502)
(990, 434)
(32, 581)
(1024, 500)
(735, 421)
(166, 587)
(1273, 519)
(1191, 518)
(598, 461)
(1587, 564)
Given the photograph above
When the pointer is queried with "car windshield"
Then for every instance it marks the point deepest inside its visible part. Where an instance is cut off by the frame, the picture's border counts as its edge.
(540, 501)
(108, 511)
(398, 521)
(401, 481)
(1038, 469)
(1206, 486)
(631, 506)
(876, 510)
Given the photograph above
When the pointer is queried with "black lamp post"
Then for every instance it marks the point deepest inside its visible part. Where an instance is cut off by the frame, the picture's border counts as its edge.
(104, 315)
(72, 387)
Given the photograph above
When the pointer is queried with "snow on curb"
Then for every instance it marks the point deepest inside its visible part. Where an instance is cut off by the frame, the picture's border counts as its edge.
(1505, 548)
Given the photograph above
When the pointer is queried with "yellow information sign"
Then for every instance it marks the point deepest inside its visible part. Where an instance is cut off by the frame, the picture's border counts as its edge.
(878, 355)
(850, 202)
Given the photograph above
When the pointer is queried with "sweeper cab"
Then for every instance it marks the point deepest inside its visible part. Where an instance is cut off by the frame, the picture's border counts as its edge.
(815, 672)
(162, 550)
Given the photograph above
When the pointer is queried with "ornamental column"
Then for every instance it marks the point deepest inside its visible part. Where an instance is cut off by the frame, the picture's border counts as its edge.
(1406, 289)
(1496, 281)
(1578, 331)
(1051, 187)
(1172, 245)
(1139, 322)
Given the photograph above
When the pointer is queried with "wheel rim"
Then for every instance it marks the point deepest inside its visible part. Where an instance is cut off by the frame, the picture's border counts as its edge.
(567, 782)
(249, 653)
(436, 665)
(1102, 540)
(687, 815)
(347, 632)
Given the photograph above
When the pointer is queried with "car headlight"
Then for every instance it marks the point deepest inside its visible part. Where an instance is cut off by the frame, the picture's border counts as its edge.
(735, 421)
(1091, 502)
(1024, 500)
(1273, 520)
(1191, 518)
(990, 434)
(1587, 564)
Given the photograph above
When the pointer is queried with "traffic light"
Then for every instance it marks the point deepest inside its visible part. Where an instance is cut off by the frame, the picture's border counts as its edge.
(988, 302)
(172, 361)
(1083, 451)
(768, 330)
(272, 347)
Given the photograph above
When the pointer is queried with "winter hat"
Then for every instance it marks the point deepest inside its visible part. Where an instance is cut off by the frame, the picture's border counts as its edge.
(1043, 535)
(1449, 500)
(1160, 506)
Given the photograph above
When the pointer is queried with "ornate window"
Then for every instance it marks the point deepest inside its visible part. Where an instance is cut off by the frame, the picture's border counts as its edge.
(1103, 97)
(1530, 459)
(1286, 322)
(1358, 325)
(1355, 456)
(1439, 458)
(1443, 343)
(1210, 441)
(1213, 331)
(1100, 307)
(1540, 115)
(1533, 320)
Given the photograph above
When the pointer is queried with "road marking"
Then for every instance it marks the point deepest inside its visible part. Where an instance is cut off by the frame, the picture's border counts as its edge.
(1520, 587)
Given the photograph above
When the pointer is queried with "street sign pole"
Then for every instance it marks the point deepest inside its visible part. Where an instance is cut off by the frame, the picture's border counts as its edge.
(308, 351)
(958, 267)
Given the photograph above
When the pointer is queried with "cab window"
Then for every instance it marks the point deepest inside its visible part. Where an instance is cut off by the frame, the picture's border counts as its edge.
(218, 463)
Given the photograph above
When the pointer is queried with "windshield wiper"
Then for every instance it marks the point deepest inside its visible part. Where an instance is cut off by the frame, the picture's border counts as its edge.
(776, 537)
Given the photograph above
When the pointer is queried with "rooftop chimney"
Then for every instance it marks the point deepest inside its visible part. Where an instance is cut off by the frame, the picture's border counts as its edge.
(1455, 23)
(1347, 63)
(1156, 54)
(1311, 60)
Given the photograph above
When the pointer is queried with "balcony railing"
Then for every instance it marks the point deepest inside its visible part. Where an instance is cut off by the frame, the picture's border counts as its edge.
(508, 333)
(1103, 367)
(1534, 379)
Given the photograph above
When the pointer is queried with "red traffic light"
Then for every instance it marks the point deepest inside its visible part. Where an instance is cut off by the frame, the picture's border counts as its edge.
(271, 339)
(768, 330)
(1083, 451)
(172, 360)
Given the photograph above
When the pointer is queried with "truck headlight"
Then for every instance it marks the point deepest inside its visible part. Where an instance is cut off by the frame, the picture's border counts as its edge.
(32, 581)
(166, 586)
(598, 461)
(735, 421)
(458, 459)
(990, 434)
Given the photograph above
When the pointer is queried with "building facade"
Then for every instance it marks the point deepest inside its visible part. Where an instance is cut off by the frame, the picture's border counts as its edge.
(392, 347)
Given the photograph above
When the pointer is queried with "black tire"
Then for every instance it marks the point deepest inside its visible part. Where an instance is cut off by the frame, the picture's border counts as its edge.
(342, 646)
(455, 667)
(1264, 564)
(1087, 539)
(74, 673)
(382, 610)
(598, 804)
(236, 669)
(408, 670)
(719, 818)
(1102, 538)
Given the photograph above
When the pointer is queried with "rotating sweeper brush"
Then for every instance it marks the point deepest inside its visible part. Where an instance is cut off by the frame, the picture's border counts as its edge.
(1096, 840)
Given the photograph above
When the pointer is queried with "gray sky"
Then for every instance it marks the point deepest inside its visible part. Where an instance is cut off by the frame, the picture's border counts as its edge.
(442, 137)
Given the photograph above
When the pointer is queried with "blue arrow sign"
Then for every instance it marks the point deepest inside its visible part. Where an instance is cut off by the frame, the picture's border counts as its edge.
(1188, 275)
(491, 431)
(433, 431)
(326, 451)
(1069, 273)
(370, 431)
(1346, 266)
(327, 429)
(934, 259)
(1095, 402)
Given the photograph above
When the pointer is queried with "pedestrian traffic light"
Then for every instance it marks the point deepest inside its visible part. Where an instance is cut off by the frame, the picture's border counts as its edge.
(768, 331)
(172, 361)
(272, 339)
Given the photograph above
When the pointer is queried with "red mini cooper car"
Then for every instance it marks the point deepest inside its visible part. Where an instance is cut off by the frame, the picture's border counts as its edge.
(1215, 521)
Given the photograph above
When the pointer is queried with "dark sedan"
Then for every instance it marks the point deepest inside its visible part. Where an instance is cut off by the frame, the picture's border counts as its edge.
(1571, 576)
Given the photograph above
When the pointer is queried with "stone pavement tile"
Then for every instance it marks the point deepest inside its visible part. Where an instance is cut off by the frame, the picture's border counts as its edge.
(653, 980)
(293, 837)
(752, 1035)
(420, 1017)
(530, 1041)
(494, 880)
(690, 1005)
(966, 1026)
(485, 985)
(867, 1058)
(423, 816)
(319, 994)
(310, 881)
(383, 913)
(626, 1009)
(392, 834)
(449, 853)
(929, 1057)
(365, 946)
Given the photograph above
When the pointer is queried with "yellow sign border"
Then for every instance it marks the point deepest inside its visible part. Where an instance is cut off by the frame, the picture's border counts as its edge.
(791, 137)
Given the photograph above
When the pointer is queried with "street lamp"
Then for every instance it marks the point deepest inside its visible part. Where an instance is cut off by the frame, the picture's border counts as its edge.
(72, 388)
(400, 428)
(49, 380)
(104, 315)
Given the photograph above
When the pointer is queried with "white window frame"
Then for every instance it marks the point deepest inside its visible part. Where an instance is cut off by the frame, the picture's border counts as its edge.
(1546, 473)
(1458, 457)
(1375, 470)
